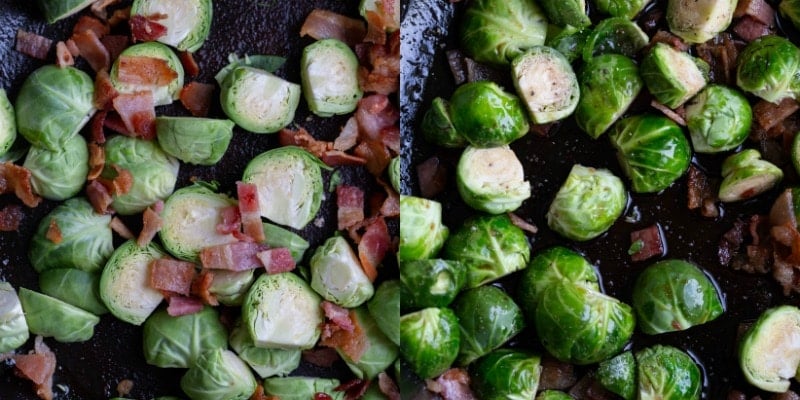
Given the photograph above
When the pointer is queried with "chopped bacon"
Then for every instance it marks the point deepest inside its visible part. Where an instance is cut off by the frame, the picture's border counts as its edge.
(250, 211)
(115, 44)
(335, 158)
(391, 205)
(758, 9)
(669, 113)
(38, 367)
(669, 39)
(119, 16)
(97, 161)
(120, 228)
(324, 24)
(53, 233)
(114, 122)
(353, 389)
(33, 45)
(17, 179)
(376, 154)
(146, 29)
(151, 224)
(556, 375)
(767, 115)
(124, 387)
(99, 8)
(782, 211)
(181, 305)
(521, 223)
(260, 395)
(92, 49)
(453, 384)
(321, 356)
(786, 273)
(348, 137)
(231, 221)
(201, 287)
(432, 176)
(721, 54)
(172, 275)
(338, 315)
(138, 112)
(122, 182)
(302, 138)
(700, 193)
(350, 206)
(390, 137)
(380, 66)
(10, 217)
(63, 55)
(277, 260)
(189, 64)
(104, 91)
(196, 97)
(388, 386)
(373, 247)
(376, 28)
(142, 70)
(588, 388)
(352, 343)
(99, 196)
(652, 243)
(73, 48)
(374, 113)
(750, 29)
(87, 23)
(239, 256)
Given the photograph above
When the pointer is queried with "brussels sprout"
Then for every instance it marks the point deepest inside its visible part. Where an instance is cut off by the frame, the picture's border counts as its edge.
(282, 311)
(190, 219)
(568, 40)
(430, 283)
(551, 266)
(86, 238)
(579, 325)
(422, 233)
(124, 284)
(667, 373)
(8, 123)
(380, 352)
(394, 173)
(609, 84)
(59, 175)
(697, 21)
(553, 395)
(268, 63)
(384, 308)
(487, 318)
(73, 286)
(230, 287)
(496, 31)
(618, 375)
(718, 119)
(266, 362)
(621, 8)
(218, 374)
(492, 180)
(259, 101)
(506, 374)
(490, 247)
(390, 17)
(188, 22)
(615, 35)
(177, 342)
(429, 340)
(53, 105)
(587, 204)
(437, 125)
(154, 172)
(329, 77)
(280, 237)
(486, 115)
(566, 13)
(673, 76)
(13, 327)
(302, 388)
(51, 317)
(289, 181)
(545, 81)
(201, 141)
(55, 10)
(673, 295)
(769, 353)
(790, 9)
(745, 175)
(337, 276)
(652, 150)
(768, 68)
(163, 94)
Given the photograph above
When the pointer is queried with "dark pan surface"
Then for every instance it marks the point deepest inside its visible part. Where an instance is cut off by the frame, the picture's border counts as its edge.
(92, 370)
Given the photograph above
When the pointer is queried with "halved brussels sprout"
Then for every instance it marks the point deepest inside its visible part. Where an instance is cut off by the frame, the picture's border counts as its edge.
(390, 16)
(163, 94)
(380, 351)
(673, 76)
(177, 342)
(667, 373)
(582, 326)
(59, 175)
(218, 374)
(745, 175)
(230, 287)
(337, 276)
(492, 180)
(13, 327)
(188, 22)
(429, 340)
(53, 105)
(201, 141)
(674, 295)
(587, 204)
(55, 10)
(329, 76)
(621, 8)
(568, 40)
(767, 68)
(124, 284)
(302, 388)
(486, 115)
(384, 307)
(652, 150)
(769, 353)
(618, 375)
(430, 283)
(289, 181)
(422, 233)
(506, 374)
(697, 21)
(718, 119)
(616, 35)
(566, 13)
(51, 317)
(8, 123)
(496, 31)
(259, 101)
(280, 237)
(266, 362)
(86, 238)
(437, 125)
(490, 247)
(545, 81)
(487, 318)
(268, 63)
(609, 84)
(74, 286)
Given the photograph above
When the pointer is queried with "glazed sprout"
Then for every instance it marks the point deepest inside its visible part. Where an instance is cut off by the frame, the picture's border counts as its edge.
(506, 374)
(566, 13)
(568, 40)
(621, 8)
(587, 204)
(609, 83)
(616, 35)
(266, 362)
(745, 175)
(390, 17)
(55, 10)
(188, 22)
(486, 115)
(673, 76)
(53, 105)
(380, 351)
(61, 174)
(487, 318)
(437, 125)
(51, 317)
(430, 283)
(218, 374)
(289, 181)
(767, 68)
(163, 93)
(697, 21)
(769, 353)
(230, 287)
(302, 388)
(86, 238)
(496, 31)
(718, 119)
(492, 180)
(124, 283)
(384, 307)
(13, 327)
(8, 123)
(329, 76)
(200, 141)
(618, 375)
(257, 100)
(665, 372)
(280, 237)
(177, 342)
(429, 340)
(546, 83)
(73, 286)
(490, 247)
(337, 276)
(422, 234)
(652, 150)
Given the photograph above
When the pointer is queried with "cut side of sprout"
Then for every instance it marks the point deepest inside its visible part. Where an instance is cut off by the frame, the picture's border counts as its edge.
(188, 22)
(124, 284)
(546, 82)
(329, 73)
(770, 350)
(492, 179)
(259, 101)
(163, 94)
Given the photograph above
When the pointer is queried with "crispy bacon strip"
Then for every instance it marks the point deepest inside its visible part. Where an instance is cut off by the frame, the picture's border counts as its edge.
(303, 139)
(521, 223)
(146, 29)
(339, 315)
(352, 343)
(190, 66)
(388, 387)
(141, 70)
(17, 179)
(652, 243)
(668, 112)
(335, 158)
(375, 113)
(201, 287)
(349, 206)
(63, 55)
(99, 196)
(97, 160)
(376, 28)
(250, 211)
(172, 275)
(104, 91)
(239, 256)
(181, 305)
(231, 221)
(38, 367)
(432, 177)
(749, 29)
(277, 260)
(374, 245)
(120, 16)
(10, 217)
(348, 137)
(33, 45)
(120, 228)
(53, 233)
(138, 113)
(758, 9)
(453, 384)
(376, 154)
(92, 49)
(151, 224)
(323, 24)
(196, 97)
(87, 23)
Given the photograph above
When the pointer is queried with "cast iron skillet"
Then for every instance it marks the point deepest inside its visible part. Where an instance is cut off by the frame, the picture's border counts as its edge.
(429, 31)
(91, 370)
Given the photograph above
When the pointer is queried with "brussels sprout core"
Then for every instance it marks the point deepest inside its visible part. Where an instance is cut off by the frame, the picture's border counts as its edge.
(492, 179)
(769, 354)
(188, 22)
(547, 84)
(746, 175)
(697, 21)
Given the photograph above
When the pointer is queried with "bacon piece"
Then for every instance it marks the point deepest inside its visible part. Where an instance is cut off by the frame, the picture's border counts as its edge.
(114, 122)
(323, 24)
(376, 154)
(758, 9)
(750, 29)
(721, 54)
(53, 233)
(338, 315)
(38, 367)
(122, 182)
(97, 160)
(390, 137)
(138, 113)
(181, 305)
(701, 194)
(10, 218)
(260, 395)
(87, 23)
(239, 256)
(323, 357)
(231, 221)
(175, 276)
(786, 273)
(201, 287)
(120, 228)
(73, 48)
(124, 387)
(99, 196)
(189, 64)
(250, 211)
(556, 375)
(119, 16)
(374, 113)
(196, 97)
(17, 179)
(151, 224)
(104, 91)
(63, 55)
(303, 139)
(335, 158)
(141, 70)
(349, 206)
(669, 113)
(432, 176)
(652, 243)
(92, 49)
(348, 136)
(115, 44)
(588, 388)
(146, 29)
(353, 389)
(391, 205)
(380, 67)
(521, 223)
(277, 260)
(376, 28)
(453, 384)
(33, 45)
(388, 386)
(668, 39)
(373, 247)
(353, 343)
(767, 115)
